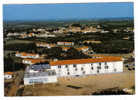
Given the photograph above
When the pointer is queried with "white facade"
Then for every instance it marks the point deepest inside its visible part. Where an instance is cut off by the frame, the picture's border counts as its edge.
(88, 68)
(40, 79)
(65, 43)
(39, 74)
(7, 76)
(27, 55)
(48, 73)
(27, 62)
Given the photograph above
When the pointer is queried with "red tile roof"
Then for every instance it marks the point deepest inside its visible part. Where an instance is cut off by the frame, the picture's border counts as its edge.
(9, 73)
(26, 54)
(82, 48)
(35, 60)
(82, 61)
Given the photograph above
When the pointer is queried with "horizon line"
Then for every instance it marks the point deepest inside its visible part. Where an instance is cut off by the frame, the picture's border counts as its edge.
(66, 19)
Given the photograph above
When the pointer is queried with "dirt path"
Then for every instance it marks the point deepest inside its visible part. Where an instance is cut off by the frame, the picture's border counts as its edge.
(15, 85)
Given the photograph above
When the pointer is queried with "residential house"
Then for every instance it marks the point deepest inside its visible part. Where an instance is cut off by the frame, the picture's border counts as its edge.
(32, 61)
(65, 48)
(65, 43)
(43, 44)
(8, 75)
(83, 48)
(92, 41)
(27, 55)
(39, 74)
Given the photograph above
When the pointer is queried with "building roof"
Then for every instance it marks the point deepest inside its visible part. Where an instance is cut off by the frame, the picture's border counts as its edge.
(26, 54)
(9, 73)
(40, 74)
(82, 48)
(65, 42)
(35, 60)
(82, 61)
(65, 48)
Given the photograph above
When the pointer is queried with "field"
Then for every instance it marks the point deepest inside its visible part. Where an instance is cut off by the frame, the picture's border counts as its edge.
(82, 85)
(17, 41)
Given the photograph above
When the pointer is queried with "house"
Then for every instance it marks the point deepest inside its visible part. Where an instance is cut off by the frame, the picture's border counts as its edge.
(31, 35)
(32, 61)
(74, 29)
(8, 75)
(90, 29)
(39, 74)
(65, 48)
(43, 44)
(48, 73)
(27, 55)
(13, 34)
(65, 43)
(45, 35)
(80, 67)
(126, 38)
(103, 31)
(83, 48)
(92, 41)
(24, 35)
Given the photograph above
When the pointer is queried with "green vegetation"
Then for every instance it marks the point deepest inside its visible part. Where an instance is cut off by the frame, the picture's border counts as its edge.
(11, 65)
(22, 47)
(112, 42)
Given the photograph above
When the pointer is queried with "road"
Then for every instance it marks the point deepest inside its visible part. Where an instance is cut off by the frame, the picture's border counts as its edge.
(16, 84)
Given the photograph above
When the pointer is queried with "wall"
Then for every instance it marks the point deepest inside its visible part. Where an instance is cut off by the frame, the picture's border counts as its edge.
(113, 67)
(40, 79)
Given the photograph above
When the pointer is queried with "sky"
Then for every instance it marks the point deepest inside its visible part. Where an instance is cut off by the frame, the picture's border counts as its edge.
(12, 12)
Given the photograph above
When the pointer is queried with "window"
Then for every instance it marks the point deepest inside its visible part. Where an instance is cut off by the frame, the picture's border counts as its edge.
(68, 73)
(99, 67)
(74, 65)
(59, 66)
(53, 73)
(92, 68)
(105, 63)
(97, 71)
(82, 68)
(31, 81)
(66, 66)
(106, 67)
(115, 70)
(100, 64)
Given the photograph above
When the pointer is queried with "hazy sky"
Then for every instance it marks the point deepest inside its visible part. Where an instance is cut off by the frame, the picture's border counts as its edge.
(67, 11)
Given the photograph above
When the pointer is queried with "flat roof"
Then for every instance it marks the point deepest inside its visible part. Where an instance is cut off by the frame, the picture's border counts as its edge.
(38, 67)
(40, 74)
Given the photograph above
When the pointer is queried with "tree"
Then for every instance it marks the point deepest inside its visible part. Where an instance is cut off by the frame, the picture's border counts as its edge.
(11, 65)
(54, 52)
(72, 53)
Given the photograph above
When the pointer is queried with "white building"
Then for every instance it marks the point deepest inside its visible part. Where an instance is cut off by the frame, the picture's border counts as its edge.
(48, 73)
(83, 49)
(65, 43)
(45, 35)
(13, 34)
(79, 67)
(39, 74)
(8, 75)
(43, 44)
(32, 61)
(27, 55)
